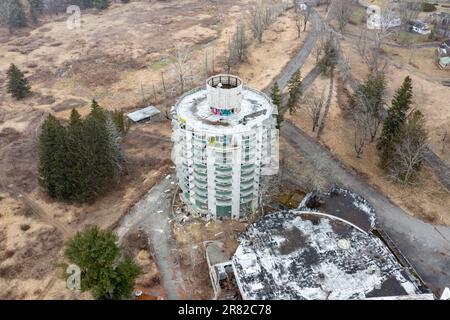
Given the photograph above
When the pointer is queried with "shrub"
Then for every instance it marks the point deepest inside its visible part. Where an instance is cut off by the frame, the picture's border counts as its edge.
(428, 7)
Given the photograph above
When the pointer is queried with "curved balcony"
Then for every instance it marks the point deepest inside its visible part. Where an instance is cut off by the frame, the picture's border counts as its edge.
(200, 171)
(200, 184)
(223, 193)
(247, 173)
(248, 182)
(223, 182)
(247, 193)
(246, 198)
(202, 174)
(223, 170)
(247, 187)
(199, 192)
(199, 165)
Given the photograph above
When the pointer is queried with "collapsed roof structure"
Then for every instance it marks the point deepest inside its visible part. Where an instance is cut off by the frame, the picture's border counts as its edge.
(331, 247)
(310, 255)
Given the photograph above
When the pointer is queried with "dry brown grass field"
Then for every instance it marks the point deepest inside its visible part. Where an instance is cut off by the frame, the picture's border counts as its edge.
(119, 56)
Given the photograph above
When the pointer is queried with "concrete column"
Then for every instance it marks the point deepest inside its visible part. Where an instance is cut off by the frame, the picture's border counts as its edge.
(190, 165)
(211, 171)
(236, 176)
(258, 155)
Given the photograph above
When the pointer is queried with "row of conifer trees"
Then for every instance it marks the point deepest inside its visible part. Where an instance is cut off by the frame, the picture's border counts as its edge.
(81, 161)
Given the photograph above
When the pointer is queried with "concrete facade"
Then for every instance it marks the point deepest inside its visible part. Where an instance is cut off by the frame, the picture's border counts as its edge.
(225, 138)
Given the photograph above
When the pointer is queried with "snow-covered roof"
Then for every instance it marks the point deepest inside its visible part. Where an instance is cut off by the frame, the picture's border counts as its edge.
(310, 255)
(143, 114)
(193, 109)
(216, 253)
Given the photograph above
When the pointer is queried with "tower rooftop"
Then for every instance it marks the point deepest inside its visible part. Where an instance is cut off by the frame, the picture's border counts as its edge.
(253, 107)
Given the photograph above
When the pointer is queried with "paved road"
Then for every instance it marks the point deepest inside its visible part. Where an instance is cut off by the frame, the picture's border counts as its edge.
(300, 58)
(151, 214)
(426, 246)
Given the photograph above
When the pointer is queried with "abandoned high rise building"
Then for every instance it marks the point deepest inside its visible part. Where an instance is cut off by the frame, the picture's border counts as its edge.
(225, 139)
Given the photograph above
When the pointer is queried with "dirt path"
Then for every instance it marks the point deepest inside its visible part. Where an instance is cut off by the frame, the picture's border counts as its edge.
(152, 214)
(300, 58)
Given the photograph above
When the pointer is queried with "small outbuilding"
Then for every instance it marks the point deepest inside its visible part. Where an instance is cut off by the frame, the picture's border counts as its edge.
(150, 113)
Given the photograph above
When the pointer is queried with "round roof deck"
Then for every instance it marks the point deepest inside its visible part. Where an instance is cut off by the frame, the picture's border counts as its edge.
(193, 109)
(308, 255)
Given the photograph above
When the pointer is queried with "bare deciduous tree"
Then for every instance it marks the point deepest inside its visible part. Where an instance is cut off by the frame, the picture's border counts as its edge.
(259, 19)
(306, 14)
(55, 6)
(360, 132)
(181, 56)
(240, 43)
(409, 150)
(342, 11)
(11, 14)
(299, 23)
(368, 103)
(372, 56)
(320, 176)
(313, 104)
(385, 28)
(237, 48)
(409, 11)
(318, 48)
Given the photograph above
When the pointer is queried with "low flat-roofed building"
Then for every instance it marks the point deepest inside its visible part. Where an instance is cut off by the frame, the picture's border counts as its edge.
(294, 255)
(145, 114)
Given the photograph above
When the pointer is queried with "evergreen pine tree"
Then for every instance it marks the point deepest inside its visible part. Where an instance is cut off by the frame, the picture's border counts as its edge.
(329, 58)
(368, 101)
(51, 150)
(119, 121)
(36, 8)
(96, 253)
(295, 91)
(16, 18)
(79, 163)
(101, 4)
(396, 117)
(98, 166)
(75, 157)
(275, 95)
(280, 119)
(409, 148)
(115, 141)
(17, 83)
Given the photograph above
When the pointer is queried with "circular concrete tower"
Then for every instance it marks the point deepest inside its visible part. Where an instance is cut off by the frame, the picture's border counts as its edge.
(225, 139)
